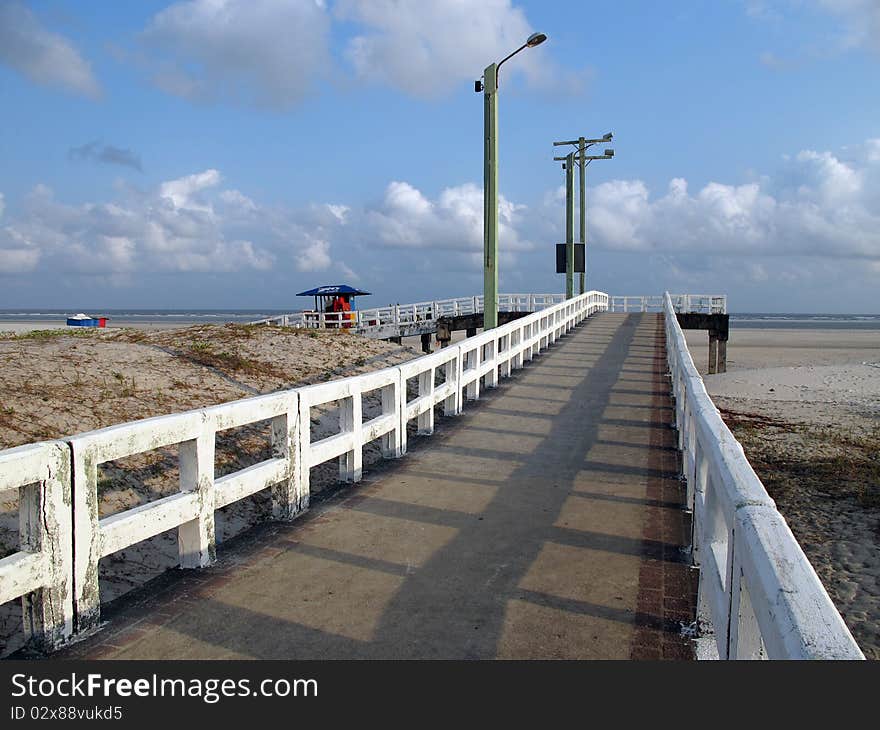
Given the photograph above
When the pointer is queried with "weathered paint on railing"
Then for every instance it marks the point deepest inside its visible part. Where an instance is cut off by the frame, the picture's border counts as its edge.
(66, 569)
(758, 593)
(40, 572)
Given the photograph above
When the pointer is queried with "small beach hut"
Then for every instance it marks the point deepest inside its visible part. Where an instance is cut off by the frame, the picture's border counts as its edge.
(336, 299)
(85, 320)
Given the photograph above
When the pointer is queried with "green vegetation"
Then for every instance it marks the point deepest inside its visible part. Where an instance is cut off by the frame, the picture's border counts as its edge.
(48, 334)
(836, 463)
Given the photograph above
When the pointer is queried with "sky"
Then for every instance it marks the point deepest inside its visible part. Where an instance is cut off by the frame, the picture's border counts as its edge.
(230, 153)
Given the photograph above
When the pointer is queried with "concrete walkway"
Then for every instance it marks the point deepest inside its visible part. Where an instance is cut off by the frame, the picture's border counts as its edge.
(545, 522)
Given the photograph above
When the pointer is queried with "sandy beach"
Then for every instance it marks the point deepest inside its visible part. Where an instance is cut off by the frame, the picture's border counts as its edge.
(806, 406)
(20, 327)
(58, 384)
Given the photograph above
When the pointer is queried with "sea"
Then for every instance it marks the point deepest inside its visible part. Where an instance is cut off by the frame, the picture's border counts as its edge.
(795, 321)
(754, 320)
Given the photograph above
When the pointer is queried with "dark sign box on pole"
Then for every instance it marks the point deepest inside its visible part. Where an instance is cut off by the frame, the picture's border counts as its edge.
(580, 258)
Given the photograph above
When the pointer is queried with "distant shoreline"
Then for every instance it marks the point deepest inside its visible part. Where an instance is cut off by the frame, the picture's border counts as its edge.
(23, 320)
(804, 324)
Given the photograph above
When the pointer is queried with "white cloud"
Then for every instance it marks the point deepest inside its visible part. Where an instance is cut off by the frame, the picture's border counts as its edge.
(44, 57)
(236, 200)
(272, 52)
(175, 228)
(426, 48)
(188, 224)
(406, 218)
(314, 257)
(817, 204)
(861, 19)
(182, 192)
(16, 254)
(857, 26)
(266, 52)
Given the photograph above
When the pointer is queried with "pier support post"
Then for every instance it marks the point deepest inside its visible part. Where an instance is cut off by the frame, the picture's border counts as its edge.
(471, 332)
(722, 355)
(444, 333)
(713, 353)
(426, 343)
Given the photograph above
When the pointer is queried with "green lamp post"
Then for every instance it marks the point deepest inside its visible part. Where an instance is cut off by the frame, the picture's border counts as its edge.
(583, 160)
(489, 87)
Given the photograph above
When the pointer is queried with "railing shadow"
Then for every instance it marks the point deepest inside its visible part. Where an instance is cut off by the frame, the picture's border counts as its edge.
(452, 566)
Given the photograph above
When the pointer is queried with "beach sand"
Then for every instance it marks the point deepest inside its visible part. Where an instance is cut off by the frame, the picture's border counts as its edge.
(56, 385)
(20, 327)
(806, 406)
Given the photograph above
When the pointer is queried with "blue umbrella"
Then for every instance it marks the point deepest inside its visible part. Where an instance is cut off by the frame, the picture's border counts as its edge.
(333, 290)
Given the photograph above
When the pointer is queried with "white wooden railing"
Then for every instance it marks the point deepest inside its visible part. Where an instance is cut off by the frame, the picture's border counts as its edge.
(40, 572)
(758, 592)
(682, 303)
(56, 570)
(377, 319)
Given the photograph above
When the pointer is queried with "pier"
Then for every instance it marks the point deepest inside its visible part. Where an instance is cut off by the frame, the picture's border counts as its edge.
(560, 486)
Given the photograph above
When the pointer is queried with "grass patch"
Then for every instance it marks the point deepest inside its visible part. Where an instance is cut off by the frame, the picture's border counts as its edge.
(831, 463)
(39, 335)
(203, 354)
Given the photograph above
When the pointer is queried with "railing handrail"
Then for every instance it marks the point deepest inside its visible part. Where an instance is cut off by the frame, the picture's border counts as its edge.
(391, 314)
(758, 592)
(683, 303)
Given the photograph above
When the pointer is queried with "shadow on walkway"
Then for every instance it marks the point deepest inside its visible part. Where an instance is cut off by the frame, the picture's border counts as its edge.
(546, 522)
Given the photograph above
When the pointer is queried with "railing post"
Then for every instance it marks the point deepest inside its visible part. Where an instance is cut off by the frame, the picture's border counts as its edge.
(392, 444)
(472, 391)
(425, 421)
(195, 539)
(288, 497)
(452, 405)
(45, 527)
(350, 420)
(87, 539)
(303, 450)
(492, 375)
(744, 633)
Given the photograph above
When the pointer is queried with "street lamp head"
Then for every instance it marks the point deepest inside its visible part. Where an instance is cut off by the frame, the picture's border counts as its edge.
(536, 39)
(608, 137)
